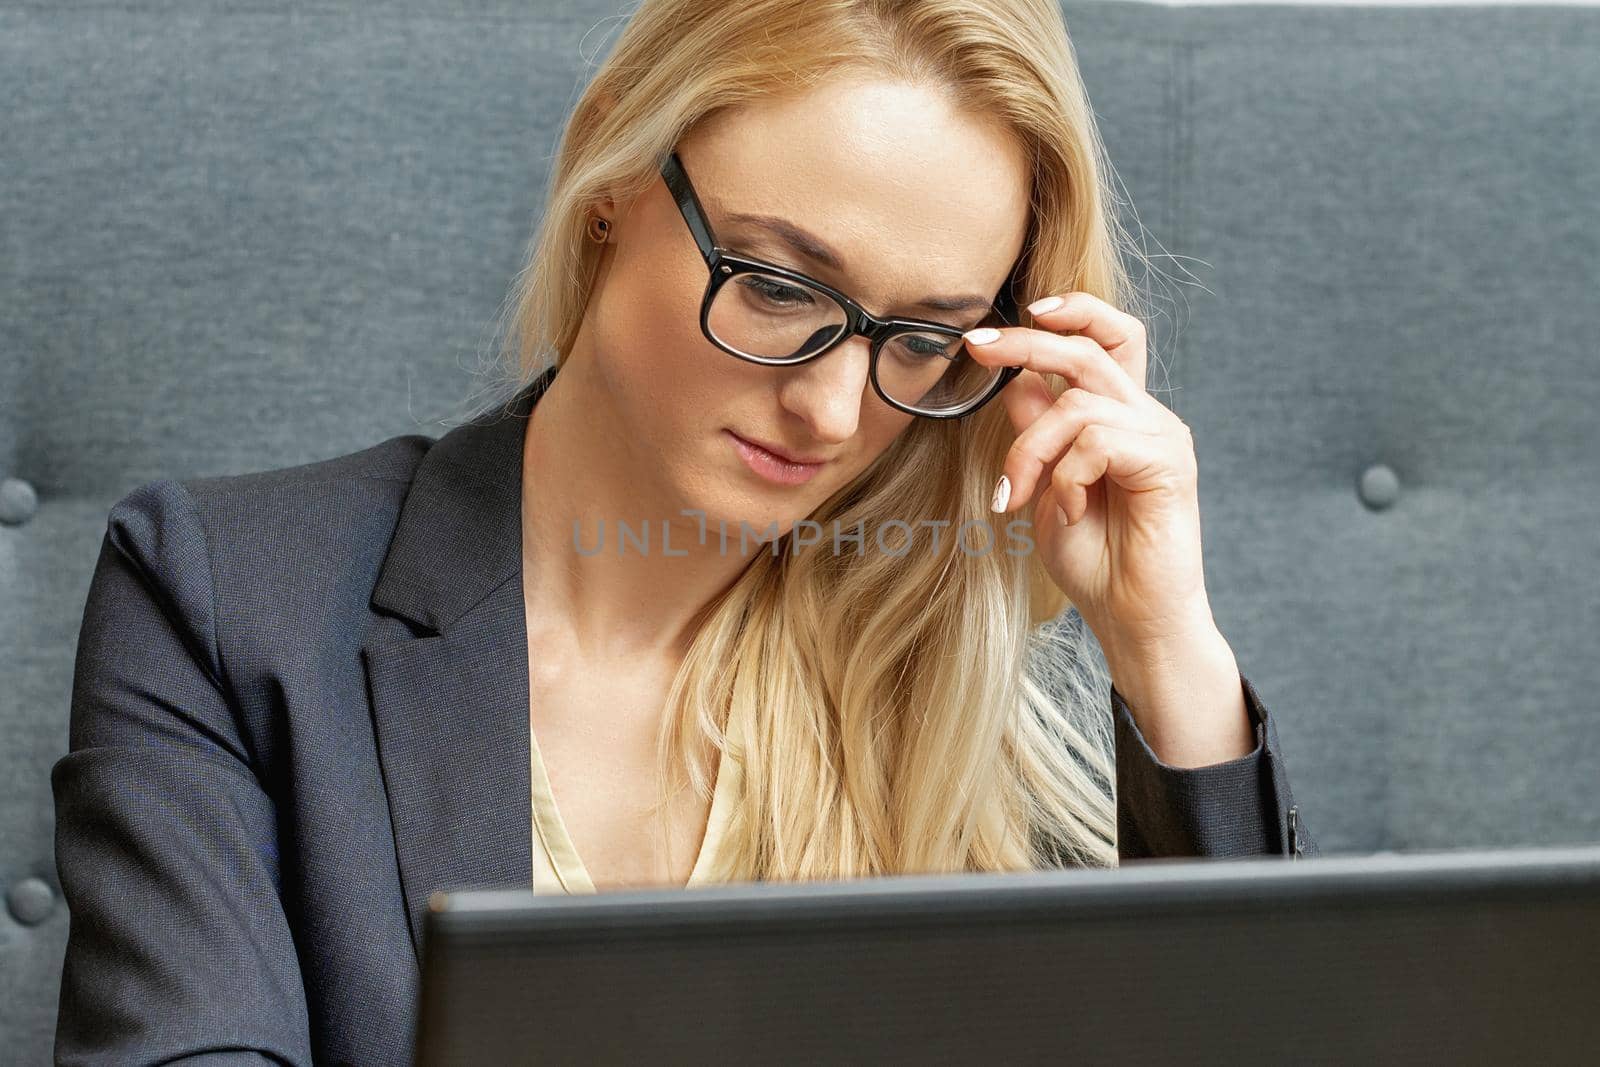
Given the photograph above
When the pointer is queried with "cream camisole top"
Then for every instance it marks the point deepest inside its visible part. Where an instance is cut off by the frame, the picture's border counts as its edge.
(556, 866)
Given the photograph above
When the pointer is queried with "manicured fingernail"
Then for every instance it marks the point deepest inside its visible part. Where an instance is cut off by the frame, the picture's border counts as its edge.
(1002, 494)
(1045, 305)
(1061, 512)
(983, 335)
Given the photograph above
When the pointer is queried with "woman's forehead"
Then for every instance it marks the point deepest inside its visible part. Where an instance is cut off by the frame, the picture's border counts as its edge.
(940, 236)
(905, 148)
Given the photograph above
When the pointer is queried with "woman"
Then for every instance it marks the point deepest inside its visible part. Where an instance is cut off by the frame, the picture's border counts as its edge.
(308, 697)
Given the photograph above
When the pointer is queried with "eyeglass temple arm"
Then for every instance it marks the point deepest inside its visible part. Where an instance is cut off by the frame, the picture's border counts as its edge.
(678, 184)
(1006, 301)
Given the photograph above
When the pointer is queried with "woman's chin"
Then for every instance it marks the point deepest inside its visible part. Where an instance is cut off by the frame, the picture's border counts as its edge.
(725, 511)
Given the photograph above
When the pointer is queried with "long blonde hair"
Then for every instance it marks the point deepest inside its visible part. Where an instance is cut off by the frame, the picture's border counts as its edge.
(913, 713)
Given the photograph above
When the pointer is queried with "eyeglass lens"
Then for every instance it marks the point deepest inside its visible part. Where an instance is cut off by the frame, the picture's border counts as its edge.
(780, 320)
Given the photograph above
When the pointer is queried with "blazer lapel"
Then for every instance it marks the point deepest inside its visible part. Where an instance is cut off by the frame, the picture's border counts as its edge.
(450, 705)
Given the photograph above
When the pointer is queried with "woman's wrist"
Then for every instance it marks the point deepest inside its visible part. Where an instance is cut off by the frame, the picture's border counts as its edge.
(1186, 696)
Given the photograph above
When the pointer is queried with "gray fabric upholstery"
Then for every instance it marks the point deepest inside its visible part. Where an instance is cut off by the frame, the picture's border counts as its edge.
(243, 236)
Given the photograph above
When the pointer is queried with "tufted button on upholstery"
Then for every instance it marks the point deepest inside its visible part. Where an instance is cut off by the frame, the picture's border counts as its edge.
(18, 501)
(1380, 486)
(31, 901)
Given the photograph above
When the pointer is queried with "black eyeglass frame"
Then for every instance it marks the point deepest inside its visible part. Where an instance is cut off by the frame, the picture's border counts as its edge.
(724, 264)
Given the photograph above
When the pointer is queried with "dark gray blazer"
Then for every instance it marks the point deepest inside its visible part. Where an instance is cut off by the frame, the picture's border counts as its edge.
(300, 704)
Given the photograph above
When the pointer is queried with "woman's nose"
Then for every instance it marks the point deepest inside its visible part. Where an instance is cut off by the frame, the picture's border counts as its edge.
(827, 392)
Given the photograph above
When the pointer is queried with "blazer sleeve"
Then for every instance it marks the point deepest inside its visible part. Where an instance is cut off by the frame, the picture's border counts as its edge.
(1241, 807)
(178, 946)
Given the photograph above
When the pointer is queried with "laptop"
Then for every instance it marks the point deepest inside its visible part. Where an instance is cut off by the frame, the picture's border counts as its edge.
(1459, 957)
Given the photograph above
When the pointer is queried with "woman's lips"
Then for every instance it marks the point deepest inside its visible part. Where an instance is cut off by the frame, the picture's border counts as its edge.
(772, 467)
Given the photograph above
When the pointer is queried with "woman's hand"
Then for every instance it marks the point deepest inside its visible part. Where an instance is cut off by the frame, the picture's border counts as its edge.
(1115, 460)
(1120, 466)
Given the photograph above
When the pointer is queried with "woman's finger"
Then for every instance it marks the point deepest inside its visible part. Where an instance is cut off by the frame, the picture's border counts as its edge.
(1122, 335)
(1078, 358)
(1042, 444)
(1135, 460)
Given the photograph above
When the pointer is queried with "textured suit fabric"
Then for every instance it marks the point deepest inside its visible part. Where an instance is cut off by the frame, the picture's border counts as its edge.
(300, 704)
(1238, 808)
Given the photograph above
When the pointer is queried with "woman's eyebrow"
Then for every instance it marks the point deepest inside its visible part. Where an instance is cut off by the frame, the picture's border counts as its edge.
(814, 248)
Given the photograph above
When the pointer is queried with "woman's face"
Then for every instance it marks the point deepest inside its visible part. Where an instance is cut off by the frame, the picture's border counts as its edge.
(915, 200)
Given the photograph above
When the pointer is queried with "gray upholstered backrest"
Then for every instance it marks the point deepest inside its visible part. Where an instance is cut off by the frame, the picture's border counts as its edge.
(241, 236)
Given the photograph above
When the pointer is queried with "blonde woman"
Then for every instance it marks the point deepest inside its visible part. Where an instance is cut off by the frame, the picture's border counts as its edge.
(712, 575)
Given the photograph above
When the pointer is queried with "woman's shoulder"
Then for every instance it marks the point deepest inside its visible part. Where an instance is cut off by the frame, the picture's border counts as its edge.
(291, 501)
(394, 460)
(289, 536)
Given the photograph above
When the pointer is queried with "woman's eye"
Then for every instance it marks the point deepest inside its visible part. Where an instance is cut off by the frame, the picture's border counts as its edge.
(775, 292)
(922, 349)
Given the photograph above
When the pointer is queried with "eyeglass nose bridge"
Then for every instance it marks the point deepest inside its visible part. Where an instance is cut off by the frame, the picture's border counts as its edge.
(859, 322)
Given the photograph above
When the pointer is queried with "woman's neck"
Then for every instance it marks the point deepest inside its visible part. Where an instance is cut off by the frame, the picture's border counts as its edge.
(616, 598)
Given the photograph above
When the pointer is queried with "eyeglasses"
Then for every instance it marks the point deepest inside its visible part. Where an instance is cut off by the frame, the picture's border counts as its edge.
(768, 314)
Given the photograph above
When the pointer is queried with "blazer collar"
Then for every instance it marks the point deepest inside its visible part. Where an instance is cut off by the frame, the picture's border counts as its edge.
(450, 704)
(460, 529)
